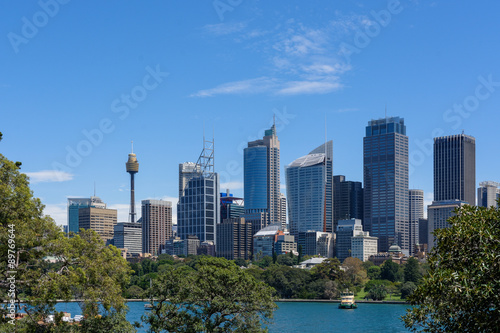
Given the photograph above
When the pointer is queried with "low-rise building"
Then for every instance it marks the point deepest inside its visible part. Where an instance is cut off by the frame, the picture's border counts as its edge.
(285, 244)
(363, 246)
(263, 240)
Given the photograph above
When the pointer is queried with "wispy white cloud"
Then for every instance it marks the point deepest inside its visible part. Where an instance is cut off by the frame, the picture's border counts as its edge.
(347, 110)
(252, 86)
(231, 185)
(47, 176)
(300, 59)
(428, 198)
(58, 212)
(309, 87)
(221, 29)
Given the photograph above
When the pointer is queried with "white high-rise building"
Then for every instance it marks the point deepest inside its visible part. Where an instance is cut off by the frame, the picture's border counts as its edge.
(363, 246)
(416, 209)
(488, 194)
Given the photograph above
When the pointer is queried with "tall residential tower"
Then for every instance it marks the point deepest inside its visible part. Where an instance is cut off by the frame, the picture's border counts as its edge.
(416, 208)
(156, 225)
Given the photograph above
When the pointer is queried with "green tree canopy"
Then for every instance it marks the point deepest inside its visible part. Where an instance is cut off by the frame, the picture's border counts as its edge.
(378, 292)
(328, 269)
(412, 271)
(373, 272)
(217, 296)
(461, 292)
(407, 289)
(390, 271)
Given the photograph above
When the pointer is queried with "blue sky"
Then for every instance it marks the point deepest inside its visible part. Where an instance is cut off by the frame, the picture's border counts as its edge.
(80, 79)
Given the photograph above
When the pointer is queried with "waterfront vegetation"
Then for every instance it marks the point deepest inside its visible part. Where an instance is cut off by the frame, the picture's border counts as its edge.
(325, 281)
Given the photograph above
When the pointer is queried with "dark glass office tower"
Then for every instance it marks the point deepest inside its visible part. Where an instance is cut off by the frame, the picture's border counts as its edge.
(347, 200)
(198, 209)
(455, 168)
(385, 178)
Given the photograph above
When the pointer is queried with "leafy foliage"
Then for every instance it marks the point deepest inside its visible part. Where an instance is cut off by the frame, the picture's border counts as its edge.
(412, 271)
(373, 273)
(407, 289)
(391, 271)
(461, 292)
(378, 292)
(217, 296)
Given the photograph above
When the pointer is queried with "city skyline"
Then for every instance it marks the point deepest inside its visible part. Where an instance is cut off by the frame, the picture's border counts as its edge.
(67, 118)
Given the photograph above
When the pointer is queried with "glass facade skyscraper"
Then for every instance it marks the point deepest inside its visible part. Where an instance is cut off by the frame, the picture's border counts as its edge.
(261, 161)
(347, 200)
(385, 178)
(198, 210)
(309, 192)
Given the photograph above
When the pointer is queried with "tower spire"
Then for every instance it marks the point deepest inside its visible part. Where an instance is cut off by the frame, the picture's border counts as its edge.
(132, 167)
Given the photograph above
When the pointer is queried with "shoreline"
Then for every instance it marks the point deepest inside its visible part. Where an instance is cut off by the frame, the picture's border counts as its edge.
(338, 301)
(283, 300)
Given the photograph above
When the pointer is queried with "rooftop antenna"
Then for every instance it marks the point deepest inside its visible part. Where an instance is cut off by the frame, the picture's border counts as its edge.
(386, 112)
(132, 146)
(94, 188)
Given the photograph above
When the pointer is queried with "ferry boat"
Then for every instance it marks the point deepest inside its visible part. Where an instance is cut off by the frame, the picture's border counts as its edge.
(347, 300)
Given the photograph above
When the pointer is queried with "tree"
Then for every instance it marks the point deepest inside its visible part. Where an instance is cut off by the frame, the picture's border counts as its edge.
(373, 273)
(328, 269)
(461, 291)
(378, 292)
(354, 272)
(285, 260)
(264, 262)
(407, 289)
(412, 271)
(217, 296)
(390, 271)
(84, 267)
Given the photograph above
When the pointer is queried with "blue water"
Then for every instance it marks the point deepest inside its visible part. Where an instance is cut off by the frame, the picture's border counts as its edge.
(308, 317)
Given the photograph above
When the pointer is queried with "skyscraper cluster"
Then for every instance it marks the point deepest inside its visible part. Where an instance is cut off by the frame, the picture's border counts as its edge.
(327, 214)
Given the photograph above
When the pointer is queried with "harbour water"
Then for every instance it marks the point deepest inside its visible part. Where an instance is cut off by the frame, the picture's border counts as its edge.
(308, 317)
